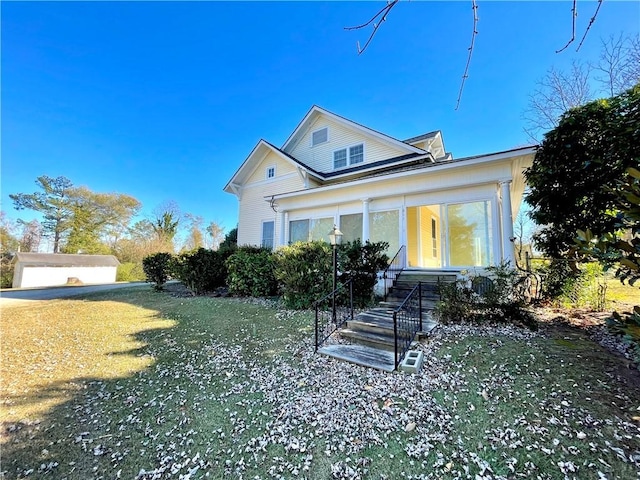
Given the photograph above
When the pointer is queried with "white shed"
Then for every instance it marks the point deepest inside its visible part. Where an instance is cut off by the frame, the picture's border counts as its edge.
(51, 269)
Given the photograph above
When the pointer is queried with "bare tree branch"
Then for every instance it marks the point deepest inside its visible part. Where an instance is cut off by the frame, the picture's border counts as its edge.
(383, 17)
(556, 93)
(593, 19)
(574, 15)
(465, 75)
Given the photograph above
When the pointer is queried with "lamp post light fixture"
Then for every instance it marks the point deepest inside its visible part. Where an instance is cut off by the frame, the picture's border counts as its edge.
(335, 237)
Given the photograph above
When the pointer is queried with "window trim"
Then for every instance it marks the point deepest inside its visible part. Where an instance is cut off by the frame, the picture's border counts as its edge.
(347, 150)
(319, 143)
(267, 170)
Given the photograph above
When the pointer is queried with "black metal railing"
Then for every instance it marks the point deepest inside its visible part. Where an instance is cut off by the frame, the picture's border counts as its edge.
(332, 311)
(407, 321)
(394, 269)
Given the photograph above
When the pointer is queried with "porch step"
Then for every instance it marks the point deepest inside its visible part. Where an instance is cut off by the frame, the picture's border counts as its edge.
(361, 355)
(372, 332)
(382, 341)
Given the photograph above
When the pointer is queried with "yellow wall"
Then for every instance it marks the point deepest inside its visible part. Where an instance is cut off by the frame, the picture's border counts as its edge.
(419, 237)
(320, 157)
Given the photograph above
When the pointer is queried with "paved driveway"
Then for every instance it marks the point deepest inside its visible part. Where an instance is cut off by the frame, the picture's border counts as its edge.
(11, 297)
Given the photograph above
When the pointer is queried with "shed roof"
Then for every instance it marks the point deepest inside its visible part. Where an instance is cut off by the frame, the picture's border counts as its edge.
(65, 260)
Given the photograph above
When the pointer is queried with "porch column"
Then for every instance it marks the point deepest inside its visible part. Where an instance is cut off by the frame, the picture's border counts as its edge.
(282, 239)
(365, 219)
(507, 223)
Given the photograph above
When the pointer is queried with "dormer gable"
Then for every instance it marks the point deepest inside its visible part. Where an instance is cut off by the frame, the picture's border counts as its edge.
(329, 144)
(266, 163)
(433, 143)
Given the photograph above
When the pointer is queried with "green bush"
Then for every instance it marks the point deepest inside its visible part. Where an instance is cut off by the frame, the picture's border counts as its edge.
(304, 271)
(558, 278)
(251, 272)
(6, 271)
(157, 269)
(361, 263)
(494, 298)
(628, 325)
(201, 270)
(130, 272)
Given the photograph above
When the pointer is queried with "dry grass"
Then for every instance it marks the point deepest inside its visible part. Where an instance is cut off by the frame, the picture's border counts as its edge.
(621, 296)
(49, 347)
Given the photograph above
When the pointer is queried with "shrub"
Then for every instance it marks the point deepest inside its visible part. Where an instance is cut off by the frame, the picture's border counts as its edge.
(201, 270)
(251, 272)
(558, 278)
(157, 268)
(304, 271)
(6, 270)
(496, 298)
(361, 263)
(130, 272)
(628, 325)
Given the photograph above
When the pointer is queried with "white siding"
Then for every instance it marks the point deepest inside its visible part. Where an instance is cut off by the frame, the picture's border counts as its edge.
(320, 157)
(254, 209)
(31, 276)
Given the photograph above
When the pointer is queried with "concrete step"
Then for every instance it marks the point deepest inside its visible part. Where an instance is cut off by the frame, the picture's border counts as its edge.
(369, 339)
(361, 355)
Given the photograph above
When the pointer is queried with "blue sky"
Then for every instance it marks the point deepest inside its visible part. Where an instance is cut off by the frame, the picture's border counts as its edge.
(164, 101)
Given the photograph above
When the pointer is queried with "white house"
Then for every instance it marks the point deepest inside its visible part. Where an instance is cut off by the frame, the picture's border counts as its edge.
(449, 214)
(51, 269)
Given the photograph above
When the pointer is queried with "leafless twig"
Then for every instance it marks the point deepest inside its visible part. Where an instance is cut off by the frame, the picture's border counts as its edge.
(593, 19)
(465, 75)
(382, 14)
(574, 15)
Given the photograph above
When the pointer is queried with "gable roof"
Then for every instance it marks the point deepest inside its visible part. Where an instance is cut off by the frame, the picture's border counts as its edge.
(65, 260)
(317, 111)
(261, 149)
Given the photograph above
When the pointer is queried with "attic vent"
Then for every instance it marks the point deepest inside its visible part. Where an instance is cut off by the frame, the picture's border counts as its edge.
(319, 136)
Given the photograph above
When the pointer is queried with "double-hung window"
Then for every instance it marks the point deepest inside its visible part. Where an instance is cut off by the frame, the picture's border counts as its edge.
(348, 156)
(268, 231)
(340, 158)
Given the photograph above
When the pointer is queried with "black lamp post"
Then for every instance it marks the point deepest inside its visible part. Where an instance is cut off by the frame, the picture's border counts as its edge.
(335, 237)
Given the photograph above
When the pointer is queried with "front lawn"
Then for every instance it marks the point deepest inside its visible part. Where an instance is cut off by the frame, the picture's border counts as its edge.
(137, 384)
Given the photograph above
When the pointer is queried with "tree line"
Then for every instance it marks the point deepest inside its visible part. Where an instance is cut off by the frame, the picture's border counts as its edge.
(75, 219)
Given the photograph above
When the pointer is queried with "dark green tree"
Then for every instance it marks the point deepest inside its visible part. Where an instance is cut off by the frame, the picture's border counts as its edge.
(53, 202)
(576, 169)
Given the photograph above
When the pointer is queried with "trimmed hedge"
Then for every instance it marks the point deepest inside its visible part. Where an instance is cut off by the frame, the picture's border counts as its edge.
(201, 270)
(251, 272)
(157, 268)
(304, 271)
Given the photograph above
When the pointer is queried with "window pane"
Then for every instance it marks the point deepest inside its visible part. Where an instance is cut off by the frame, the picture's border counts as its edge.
(319, 136)
(469, 234)
(319, 229)
(351, 227)
(298, 231)
(267, 234)
(385, 227)
(356, 154)
(340, 158)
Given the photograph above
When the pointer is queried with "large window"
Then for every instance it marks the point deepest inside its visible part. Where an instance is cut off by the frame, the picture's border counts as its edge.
(351, 156)
(268, 234)
(351, 227)
(310, 229)
(385, 227)
(470, 234)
